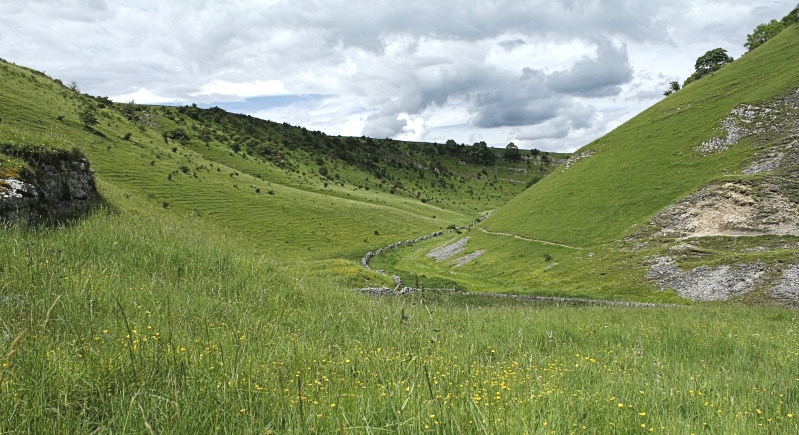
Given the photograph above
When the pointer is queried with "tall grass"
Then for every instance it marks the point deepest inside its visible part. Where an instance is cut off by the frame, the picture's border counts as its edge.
(137, 322)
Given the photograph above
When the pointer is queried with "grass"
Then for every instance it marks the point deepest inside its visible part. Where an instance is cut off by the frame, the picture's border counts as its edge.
(133, 320)
(600, 206)
(288, 209)
(516, 266)
(212, 290)
(650, 162)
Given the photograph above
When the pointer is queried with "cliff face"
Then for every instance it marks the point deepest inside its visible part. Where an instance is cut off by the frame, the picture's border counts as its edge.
(57, 190)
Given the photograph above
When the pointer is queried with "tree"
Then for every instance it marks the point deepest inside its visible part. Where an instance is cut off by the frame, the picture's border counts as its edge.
(763, 33)
(481, 154)
(512, 152)
(709, 62)
(88, 116)
(791, 18)
(129, 110)
(673, 87)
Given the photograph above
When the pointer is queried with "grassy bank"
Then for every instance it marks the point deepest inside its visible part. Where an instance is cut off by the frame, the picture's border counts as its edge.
(133, 321)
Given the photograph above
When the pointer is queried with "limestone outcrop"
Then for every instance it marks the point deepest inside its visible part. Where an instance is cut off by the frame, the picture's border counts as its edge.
(56, 190)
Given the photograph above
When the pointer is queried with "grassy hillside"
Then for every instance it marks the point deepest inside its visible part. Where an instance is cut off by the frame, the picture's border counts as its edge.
(290, 191)
(650, 161)
(585, 229)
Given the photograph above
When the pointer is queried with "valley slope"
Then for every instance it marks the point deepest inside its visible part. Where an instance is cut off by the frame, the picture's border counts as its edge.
(599, 226)
(294, 193)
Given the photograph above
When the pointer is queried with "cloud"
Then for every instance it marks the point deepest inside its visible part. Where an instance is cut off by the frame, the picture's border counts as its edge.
(490, 69)
(381, 126)
(220, 90)
(511, 44)
(144, 96)
(599, 77)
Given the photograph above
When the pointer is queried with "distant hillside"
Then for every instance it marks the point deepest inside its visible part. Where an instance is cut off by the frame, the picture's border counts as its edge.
(636, 170)
(723, 151)
(284, 189)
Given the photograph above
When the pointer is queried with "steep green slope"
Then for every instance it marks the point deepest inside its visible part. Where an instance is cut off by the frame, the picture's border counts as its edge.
(722, 154)
(298, 194)
(650, 161)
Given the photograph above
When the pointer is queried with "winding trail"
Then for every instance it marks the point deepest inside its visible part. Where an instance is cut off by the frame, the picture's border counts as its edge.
(526, 239)
(401, 290)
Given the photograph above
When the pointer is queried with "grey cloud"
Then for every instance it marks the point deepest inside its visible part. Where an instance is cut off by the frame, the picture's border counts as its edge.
(523, 100)
(600, 77)
(499, 114)
(497, 99)
(348, 48)
(559, 132)
(580, 116)
(381, 126)
(511, 44)
(364, 23)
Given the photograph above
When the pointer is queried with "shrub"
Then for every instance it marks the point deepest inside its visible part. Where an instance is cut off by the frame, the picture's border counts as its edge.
(88, 116)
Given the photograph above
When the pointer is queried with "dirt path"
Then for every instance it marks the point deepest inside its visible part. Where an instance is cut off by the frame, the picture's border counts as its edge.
(526, 239)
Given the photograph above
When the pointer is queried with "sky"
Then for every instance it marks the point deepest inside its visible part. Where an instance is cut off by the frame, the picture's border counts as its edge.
(553, 75)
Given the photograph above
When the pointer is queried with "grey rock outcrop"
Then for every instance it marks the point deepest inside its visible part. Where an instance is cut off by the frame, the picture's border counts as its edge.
(57, 190)
(706, 283)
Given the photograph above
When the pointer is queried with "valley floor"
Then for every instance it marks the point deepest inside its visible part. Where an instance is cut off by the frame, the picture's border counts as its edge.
(137, 322)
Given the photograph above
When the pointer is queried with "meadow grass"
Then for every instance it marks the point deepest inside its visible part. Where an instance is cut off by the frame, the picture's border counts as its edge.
(190, 302)
(525, 267)
(129, 322)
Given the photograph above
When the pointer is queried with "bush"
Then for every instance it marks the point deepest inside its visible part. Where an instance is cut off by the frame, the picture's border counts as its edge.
(88, 116)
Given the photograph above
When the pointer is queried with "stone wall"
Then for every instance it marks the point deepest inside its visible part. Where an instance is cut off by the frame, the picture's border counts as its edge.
(57, 190)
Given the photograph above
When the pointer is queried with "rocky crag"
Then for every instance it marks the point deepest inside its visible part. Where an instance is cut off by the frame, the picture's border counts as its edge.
(763, 202)
(56, 190)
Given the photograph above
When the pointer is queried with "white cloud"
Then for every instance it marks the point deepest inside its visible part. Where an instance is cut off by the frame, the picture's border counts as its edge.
(223, 90)
(144, 96)
(546, 74)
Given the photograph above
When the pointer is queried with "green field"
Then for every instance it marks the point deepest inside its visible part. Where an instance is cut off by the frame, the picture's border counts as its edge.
(212, 289)
(133, 320)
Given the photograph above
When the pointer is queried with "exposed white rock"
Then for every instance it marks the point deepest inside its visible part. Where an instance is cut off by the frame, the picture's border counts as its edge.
(445, 252)
(458, 262)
